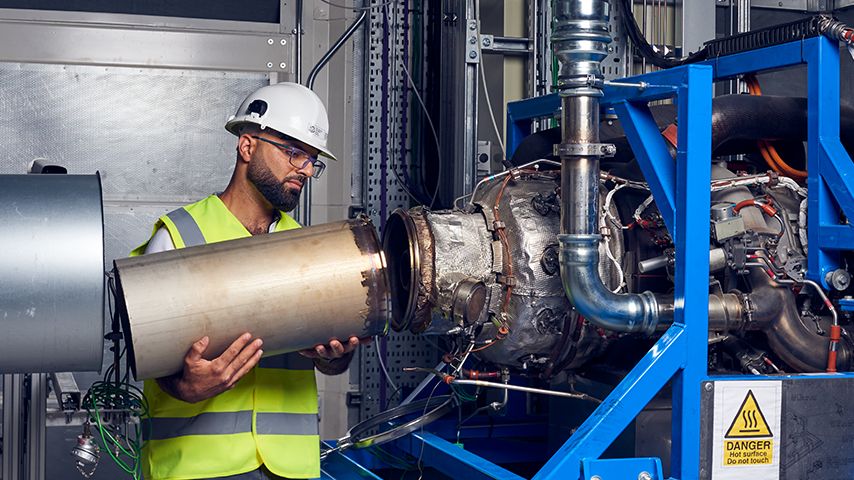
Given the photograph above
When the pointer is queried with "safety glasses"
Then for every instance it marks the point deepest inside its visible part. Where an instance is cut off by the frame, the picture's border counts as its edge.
(296, 157)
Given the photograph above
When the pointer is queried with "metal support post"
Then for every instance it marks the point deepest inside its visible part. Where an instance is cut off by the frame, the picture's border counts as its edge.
(36, 435)
(829, 165)
(691, 299)
(13, 422)
(458, 119)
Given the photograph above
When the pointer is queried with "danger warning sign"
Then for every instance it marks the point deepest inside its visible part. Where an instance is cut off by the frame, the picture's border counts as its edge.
(746, 420)
(748, 423)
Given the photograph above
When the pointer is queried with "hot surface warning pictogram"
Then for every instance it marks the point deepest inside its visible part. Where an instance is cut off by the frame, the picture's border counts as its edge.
(746, 430)
(749, 422)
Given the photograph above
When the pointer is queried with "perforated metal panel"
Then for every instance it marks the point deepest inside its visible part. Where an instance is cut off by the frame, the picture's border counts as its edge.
(387, 148)
(615, 65)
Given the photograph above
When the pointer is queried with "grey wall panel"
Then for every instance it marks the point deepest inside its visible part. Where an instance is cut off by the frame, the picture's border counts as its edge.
(155, 135)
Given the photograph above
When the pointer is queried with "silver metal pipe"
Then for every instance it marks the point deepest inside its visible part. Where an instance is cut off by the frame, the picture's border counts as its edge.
(717, 261)
(580, 39)
(519, 388)
(580, 173)
(292, 289)
(630, 312)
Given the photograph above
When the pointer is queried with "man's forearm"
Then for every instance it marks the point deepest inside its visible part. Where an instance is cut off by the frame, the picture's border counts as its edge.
(333, 367)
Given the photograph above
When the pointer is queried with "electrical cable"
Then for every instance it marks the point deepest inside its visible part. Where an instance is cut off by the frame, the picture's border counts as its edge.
(646, 50)
(432, 129)
(606, 235)
(769, 153)
(419, 463)
(382, 364)
(504, 161)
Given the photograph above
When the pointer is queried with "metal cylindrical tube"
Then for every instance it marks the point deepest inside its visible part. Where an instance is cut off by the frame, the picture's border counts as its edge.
(580, 39)
(292, 289)
(717, 261)
(628, 312)
(580, 173)
(51, 273)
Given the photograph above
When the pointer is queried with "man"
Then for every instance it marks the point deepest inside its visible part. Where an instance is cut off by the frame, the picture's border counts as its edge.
(225, 418)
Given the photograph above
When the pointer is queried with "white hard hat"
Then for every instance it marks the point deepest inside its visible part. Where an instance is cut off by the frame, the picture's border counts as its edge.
(288, 108)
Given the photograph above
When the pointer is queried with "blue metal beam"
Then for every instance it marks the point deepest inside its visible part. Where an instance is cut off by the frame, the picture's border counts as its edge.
(624, 403)
(654, 158)
(452, 460)
(338, 466)
(691, 236)
(827, 162)
(520, 116)
(769, 58)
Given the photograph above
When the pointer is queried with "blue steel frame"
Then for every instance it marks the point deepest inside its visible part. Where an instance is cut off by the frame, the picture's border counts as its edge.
(681, 188)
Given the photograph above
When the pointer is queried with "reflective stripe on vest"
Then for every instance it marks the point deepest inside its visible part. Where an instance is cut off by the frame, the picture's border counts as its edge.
(269, 417)
(225, 423)
(187, 227)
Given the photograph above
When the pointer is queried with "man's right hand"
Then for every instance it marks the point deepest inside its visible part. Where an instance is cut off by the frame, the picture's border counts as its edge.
(202, 379)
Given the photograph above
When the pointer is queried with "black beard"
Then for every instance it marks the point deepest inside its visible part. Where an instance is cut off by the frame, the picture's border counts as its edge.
(280, 195)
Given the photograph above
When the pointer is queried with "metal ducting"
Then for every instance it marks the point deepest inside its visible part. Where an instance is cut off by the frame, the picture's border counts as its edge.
(293, 289)
(51, 273)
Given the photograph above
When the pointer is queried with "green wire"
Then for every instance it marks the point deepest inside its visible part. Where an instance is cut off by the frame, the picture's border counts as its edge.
(125, 397)
(104, 434)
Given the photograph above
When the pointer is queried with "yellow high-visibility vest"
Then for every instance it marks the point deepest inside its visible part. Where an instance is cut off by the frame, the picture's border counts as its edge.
(269, 417)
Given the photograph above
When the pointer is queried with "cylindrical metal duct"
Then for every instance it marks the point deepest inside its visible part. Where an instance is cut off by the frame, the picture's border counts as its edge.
(51, 273)
(293, 289)
(580, 38)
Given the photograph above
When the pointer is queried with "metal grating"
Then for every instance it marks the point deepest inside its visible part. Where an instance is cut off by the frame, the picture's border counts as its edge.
(388, 150)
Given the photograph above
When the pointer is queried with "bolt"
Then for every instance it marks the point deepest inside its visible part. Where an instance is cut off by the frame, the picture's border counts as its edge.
(283, 65)
(779, 4)
(473, 25)
(610, 49)
(644, 476)
(487, 42)
(472, 54)
(284, 42)
(472, 40)
(269, 41)
(269, 64)
(707, 386)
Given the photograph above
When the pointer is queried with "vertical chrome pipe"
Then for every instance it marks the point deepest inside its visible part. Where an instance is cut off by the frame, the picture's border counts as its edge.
(580, 40)
(580, 173)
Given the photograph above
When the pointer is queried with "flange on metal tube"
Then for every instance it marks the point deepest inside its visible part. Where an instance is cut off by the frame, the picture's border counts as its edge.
(580, 39)
(293, 289)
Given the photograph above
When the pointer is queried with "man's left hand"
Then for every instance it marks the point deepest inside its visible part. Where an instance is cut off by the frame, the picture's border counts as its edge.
(335, 349)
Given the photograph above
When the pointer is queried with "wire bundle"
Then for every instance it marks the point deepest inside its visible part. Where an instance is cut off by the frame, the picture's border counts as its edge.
(105, 399)
(646, 50)
(114, 400)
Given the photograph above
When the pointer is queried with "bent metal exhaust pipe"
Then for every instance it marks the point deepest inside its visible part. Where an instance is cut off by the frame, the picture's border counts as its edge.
(293, 289)
(580, 41)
